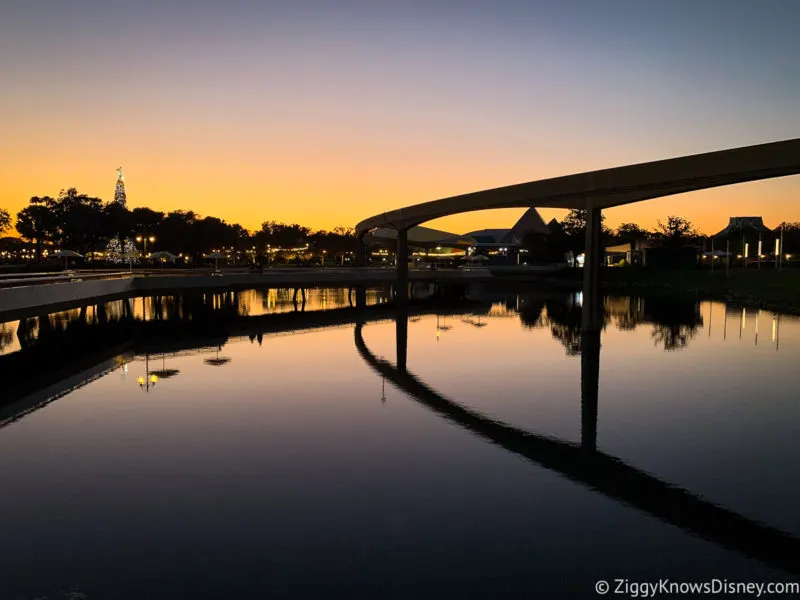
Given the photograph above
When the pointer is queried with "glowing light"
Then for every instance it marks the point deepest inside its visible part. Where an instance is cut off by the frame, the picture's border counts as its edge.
(119, 192)
(117, 254)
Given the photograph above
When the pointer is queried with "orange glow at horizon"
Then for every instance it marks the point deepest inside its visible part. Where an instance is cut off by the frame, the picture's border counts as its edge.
(326, 192)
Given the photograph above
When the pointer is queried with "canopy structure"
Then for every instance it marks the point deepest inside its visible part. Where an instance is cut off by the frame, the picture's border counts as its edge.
(164, 255)
(421, 237)
(66, 255)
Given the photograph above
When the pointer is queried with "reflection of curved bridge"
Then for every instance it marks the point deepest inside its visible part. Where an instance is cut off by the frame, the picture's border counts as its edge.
(27, 393)
(597, 470)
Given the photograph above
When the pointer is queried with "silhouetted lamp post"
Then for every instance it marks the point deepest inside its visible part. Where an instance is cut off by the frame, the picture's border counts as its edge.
(145, 239)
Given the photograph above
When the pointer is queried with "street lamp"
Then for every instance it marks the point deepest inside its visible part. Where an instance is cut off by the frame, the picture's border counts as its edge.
(145, 239)
(269, 255)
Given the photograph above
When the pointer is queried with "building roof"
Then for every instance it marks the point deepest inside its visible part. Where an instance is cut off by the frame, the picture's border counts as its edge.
(744, 225)
(530, 222)
(488, 236)
(427, 237)
(424, 237)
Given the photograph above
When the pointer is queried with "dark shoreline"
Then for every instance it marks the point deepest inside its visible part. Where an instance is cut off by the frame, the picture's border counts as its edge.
(767, 289)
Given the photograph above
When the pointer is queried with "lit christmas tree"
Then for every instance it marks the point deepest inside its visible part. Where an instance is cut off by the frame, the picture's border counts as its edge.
(124, 251)
(118, 252)
(119, 192)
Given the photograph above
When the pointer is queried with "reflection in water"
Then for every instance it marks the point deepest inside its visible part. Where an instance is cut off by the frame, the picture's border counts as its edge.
(585, 464)
(305, 461)
(61, 338)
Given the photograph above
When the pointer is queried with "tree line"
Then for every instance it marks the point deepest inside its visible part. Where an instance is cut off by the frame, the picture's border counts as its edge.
(86, 224)
(672, 234)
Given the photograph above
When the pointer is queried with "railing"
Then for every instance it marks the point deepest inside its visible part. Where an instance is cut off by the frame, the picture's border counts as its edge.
(60, 277)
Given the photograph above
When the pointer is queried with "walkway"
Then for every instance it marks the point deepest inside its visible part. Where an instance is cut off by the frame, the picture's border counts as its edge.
(29, 300)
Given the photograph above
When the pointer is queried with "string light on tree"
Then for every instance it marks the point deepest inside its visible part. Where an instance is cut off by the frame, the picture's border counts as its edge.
(121, 252)
(119, 191)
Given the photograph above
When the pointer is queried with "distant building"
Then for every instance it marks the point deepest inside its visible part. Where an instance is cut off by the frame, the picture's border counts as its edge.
(530, 222)
(743, 227)
(633, 253)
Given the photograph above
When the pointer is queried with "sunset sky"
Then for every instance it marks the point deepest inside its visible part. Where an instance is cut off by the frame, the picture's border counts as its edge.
(327, 112)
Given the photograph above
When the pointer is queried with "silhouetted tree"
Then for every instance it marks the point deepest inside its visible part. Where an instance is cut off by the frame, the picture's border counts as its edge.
(675, 233)
(336, 242)
(210, 233)
(530, 313)
(242, 240)
(145, 221)
(574, 227)
(791, 236)
(78, 220)
(37, 222)
(282, 235)
(117, 221)
(537, 246)
(175, 230)
(628, 233)
(564, 320)
(5, 220)
(675, 322)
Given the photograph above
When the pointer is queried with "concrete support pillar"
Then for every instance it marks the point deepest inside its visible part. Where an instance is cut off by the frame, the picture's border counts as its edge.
(592, 302)
(361, 252)
(590, 379)
(401, 284)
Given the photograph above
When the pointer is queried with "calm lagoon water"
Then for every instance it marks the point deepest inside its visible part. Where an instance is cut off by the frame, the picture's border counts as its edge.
(302, 463)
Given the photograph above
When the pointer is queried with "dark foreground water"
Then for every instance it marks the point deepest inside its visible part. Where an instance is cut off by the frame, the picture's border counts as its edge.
(245, 461)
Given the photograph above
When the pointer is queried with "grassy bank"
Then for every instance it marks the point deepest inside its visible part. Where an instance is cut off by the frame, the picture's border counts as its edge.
(768, 289)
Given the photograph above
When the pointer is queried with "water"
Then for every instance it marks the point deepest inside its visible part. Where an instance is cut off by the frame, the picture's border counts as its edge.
(305, 464)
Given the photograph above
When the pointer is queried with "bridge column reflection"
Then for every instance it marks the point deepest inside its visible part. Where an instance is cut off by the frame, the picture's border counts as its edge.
(591, 324)
(361, 251)
(590, 384)
(401, 284)
(592, 307)
(401, 336)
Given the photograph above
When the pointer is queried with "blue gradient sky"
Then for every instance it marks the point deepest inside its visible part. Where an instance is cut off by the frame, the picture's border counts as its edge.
(327, 112)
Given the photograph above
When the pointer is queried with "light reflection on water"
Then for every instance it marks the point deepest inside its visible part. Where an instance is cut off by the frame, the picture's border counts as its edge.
(294, 468)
